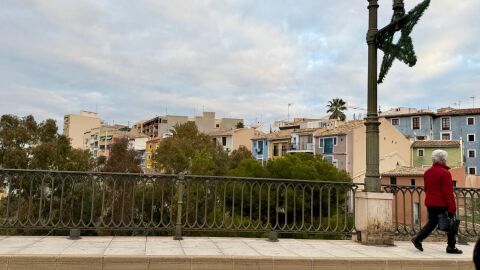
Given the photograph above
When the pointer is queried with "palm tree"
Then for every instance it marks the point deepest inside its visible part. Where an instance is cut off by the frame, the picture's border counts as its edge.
(336, 106)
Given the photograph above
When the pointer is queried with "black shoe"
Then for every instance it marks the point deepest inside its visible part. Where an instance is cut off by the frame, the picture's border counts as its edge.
(454, 250)
(417, 244)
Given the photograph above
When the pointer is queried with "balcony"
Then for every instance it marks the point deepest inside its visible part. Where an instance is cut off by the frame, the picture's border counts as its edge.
(301, 148)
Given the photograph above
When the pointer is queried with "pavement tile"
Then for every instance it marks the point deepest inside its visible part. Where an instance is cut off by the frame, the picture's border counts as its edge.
(202, 251)
(164, 252)
(368, 264)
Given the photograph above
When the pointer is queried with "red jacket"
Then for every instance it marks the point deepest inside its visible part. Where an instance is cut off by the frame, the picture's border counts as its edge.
(439, 187)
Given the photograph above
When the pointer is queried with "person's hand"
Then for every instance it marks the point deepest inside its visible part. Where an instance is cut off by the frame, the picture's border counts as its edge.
(451, 215)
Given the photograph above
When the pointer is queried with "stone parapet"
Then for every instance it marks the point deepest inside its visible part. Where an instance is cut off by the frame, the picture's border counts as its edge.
(373, 218)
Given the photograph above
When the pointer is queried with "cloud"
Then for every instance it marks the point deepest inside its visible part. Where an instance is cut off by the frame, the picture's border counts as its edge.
(249, 59)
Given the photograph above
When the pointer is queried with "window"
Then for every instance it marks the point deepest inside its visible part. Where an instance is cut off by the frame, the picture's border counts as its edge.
(393, 180)
(321, 142)
(420, 152)
(454, 183)
(275, 150)
(395, 121)
(445, 123)
(446, 136)
(259, 147)
(217, 125)
(472, 153)
(472, 170)
(471, 137)
(470, 121)
(164, 121)
(416, 122)
(215, 140)
(284, 149)
(421, 138)
(412, 182)
(224, 141)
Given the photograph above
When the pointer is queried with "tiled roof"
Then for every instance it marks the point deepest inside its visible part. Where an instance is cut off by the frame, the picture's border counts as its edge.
(305, 130)
(341, 129)
(153, 140)
(436, 143)
(231, 132)
(405, 171)
(454, 112)
(277, 135)
(439, 113)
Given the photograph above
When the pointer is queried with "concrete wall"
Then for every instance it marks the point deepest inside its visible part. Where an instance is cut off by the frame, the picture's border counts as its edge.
(243, 137)
(394, 150)
(206, 122)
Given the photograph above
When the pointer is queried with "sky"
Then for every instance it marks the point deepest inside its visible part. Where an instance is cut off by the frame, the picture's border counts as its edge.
(132, 60)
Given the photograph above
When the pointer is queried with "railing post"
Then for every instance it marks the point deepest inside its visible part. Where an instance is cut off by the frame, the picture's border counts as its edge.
(74, 234)
(180, 183)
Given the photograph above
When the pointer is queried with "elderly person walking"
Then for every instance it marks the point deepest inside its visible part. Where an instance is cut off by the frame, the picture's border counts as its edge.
(438, 200)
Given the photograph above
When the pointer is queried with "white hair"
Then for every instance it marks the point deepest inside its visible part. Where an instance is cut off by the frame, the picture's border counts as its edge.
(439, 156)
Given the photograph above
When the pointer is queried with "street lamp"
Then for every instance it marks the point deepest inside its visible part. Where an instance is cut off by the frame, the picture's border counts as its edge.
(403, 51)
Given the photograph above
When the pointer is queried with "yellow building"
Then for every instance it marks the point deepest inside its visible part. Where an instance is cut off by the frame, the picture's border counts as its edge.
(279, 143)
(150, 151)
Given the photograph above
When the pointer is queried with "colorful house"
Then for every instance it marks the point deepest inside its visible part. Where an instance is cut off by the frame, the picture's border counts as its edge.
(410, 209)
(233, 139)
(422, 152)
(345, 147)
(260, 148)
(446, 124)
(151, 154)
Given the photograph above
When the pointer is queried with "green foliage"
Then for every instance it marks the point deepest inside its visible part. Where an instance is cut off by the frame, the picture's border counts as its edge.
(336, 106)
(188, 146)
(240, 125)
(26, 144)
(122, 159)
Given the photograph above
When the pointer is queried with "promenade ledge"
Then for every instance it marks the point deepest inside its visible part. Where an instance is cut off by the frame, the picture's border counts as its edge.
(98, 252)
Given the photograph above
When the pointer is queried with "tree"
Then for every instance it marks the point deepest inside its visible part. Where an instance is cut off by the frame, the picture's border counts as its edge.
(26, 144)
(240, 125)
(122, 159)
(187, 147)
(336, 106)
(238, 155)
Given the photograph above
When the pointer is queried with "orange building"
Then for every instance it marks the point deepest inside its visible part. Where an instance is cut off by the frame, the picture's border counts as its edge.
(409, 202)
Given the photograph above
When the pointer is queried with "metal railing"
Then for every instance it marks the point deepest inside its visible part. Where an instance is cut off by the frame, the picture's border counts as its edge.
(410, 213)
(173, 203)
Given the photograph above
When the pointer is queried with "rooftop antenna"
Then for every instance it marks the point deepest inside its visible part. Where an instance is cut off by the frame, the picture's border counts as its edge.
(166, 110)
(473, 101)
(459, 103)
(288, 113)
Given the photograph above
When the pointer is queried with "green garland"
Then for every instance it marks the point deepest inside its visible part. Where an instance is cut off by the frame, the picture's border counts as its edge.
(403, 50)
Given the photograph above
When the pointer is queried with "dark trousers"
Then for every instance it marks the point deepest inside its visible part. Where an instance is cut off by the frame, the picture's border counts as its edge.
(432, 223)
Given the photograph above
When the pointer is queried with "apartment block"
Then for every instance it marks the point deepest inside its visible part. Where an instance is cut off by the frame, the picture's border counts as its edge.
(445, 124)
(75, 125)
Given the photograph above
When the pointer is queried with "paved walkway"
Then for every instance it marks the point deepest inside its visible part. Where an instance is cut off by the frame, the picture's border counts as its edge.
(21, 252)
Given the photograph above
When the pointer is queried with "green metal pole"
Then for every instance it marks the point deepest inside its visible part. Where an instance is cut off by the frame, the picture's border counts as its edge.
(372, 175)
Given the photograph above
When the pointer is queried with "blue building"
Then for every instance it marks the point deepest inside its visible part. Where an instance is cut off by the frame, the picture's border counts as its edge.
(260, 148)
(445, 124)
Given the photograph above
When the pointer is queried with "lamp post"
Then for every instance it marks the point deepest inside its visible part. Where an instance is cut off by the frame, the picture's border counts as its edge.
(372, 174)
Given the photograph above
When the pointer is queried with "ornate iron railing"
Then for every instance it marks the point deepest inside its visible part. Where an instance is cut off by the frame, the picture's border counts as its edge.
(410, 213)
(50, 200)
